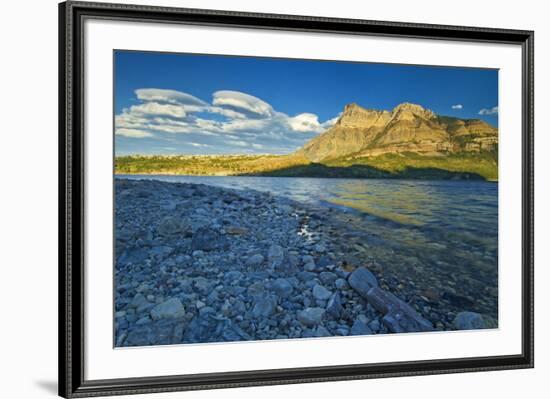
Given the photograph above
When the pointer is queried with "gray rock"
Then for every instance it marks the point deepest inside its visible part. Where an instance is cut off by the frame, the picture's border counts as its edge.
(319, 248)
(469, 321)
(310, 266)
(321, 293)
(334, 306)
(133, 255)
(275, 255)
(341, 284)
(264, 307)
(233, 275)
(139, 302)
(306, 276)
(362, 280)
(282, 287)
(255, 260)
(171, 225)
(311, 317)
(171, 308)
(360, 328)
(256, 289)
(399, 316)
(374, 325)
(162, 332)
(321, 331)
(328, 278)
(206, 239)
(143, 320)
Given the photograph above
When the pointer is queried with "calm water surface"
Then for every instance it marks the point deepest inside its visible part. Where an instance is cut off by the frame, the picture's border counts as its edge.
(437, 236)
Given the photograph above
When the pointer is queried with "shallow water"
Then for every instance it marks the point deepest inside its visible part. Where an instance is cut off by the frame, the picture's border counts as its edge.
(437, 236)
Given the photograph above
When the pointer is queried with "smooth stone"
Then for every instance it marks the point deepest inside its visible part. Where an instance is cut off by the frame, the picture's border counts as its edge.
(362, 280)
(206, 239)
(310, 266)
(311, 317)
(399, 316)
(334, 306)
(255, 260)
(341, 284)
(321, 293)
(275, 255)
(319, 248)
(359, 327)
(171, 308)
(321, 331)
(374, 325)
(328, 277)
(305, 276)
(468, 321)
(282, 287)
(171, 225)
(264, 307)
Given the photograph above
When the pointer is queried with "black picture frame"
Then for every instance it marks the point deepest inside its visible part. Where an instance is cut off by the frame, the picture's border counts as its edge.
(71, 199)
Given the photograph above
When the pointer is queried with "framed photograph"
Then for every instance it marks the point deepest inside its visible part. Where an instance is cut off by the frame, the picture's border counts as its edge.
(252, 199)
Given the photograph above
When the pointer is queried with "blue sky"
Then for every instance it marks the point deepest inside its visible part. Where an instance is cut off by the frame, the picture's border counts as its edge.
(206, 104)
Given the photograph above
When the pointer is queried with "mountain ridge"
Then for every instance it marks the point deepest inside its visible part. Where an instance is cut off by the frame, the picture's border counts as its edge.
(407, 128)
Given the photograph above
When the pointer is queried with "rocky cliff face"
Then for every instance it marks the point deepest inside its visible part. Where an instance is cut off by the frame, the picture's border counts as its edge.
(407, 128)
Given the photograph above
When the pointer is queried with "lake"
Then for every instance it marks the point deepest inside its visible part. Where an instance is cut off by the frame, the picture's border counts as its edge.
(439, 238)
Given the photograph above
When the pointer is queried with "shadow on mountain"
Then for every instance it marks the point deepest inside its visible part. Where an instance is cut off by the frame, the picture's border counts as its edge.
(368, 172)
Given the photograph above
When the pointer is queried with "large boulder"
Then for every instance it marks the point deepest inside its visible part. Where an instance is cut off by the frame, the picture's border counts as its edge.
(362, 280)
(399, 316)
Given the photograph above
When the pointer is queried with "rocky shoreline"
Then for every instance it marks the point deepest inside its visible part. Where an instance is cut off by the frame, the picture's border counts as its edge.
(198, 263)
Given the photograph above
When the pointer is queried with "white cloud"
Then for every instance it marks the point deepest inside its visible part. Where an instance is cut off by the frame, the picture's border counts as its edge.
(168, 96)
(456, 106)
(305, 122)
(331, 122)
(132, 133)
(242, 101)
(245, 124)
(488, 111)
(153, 108)
(241, 119)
